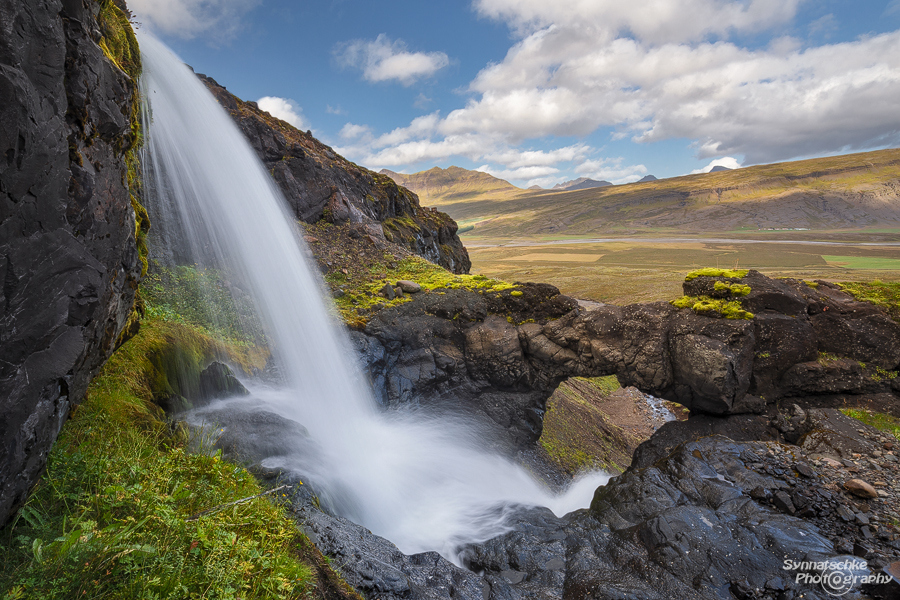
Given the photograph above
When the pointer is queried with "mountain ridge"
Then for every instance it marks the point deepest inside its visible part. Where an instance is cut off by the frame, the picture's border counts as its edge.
(840, 192)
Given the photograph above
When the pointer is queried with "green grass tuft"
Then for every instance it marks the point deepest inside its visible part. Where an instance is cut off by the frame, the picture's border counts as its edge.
(109, 517)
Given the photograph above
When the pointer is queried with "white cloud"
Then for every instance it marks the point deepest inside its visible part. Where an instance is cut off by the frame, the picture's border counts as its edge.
(191, 18)
(386, 60)
(611, 169)
(334, 110)
(727, 162)
(515, 158)
(655, 21)
(521, 173)
(285, 109)
(769, 104)
(651, 71)
(351, 131)
(422, 101)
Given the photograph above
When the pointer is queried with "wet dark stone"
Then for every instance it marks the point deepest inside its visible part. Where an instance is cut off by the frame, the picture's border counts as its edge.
(69, 263)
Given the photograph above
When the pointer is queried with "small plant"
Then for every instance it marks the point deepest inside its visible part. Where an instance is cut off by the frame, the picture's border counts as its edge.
(763, 355)
(882, 374)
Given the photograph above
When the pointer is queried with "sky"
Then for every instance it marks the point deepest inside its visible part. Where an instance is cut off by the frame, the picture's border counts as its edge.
(540, 92)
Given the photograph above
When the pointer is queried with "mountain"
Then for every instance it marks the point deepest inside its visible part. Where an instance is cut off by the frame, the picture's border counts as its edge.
(582, 183)
(719, 169)
(442, 186)
(840, 192)
(646, 178)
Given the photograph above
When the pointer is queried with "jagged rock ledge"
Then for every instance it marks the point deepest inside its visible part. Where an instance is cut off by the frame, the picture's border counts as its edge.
(320, 184)
(501, 354)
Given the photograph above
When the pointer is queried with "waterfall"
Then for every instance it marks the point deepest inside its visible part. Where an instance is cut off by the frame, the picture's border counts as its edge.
(423, 482)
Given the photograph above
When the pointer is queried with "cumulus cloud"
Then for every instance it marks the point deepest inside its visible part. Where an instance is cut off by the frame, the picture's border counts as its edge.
(611, 169)
(652, 71)
(573, 77)
(521, 173)
(728, 162)
(655, 21)
(285, 109)
(191, 18)
(386, 60)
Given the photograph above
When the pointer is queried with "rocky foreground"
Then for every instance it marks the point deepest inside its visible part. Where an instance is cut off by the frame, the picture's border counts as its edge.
(758, 502)
(709, 518)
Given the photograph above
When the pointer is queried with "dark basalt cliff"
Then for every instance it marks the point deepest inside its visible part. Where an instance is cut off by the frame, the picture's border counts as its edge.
(69, 263)
(320, 184)
(501, 354)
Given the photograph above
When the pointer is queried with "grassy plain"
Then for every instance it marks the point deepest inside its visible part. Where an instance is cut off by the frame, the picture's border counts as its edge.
(644, 269)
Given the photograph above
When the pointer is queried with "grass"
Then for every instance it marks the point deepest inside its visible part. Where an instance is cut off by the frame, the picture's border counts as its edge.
(645, 270)
(864, 262)
(109, 517)
(880, 421)
(202, 297)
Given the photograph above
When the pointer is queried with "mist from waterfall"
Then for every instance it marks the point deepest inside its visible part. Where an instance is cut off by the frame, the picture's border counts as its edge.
(423, 481)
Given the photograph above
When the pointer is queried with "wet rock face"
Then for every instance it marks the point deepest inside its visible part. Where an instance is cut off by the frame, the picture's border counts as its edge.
(68, 260)
(320, 184)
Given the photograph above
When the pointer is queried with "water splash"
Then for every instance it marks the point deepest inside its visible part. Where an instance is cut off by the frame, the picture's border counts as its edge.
(423, 482)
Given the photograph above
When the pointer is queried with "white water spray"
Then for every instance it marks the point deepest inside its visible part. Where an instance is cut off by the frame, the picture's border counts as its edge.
(422, 482)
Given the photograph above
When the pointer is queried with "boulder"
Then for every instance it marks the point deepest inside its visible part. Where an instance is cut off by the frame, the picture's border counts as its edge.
(218, 381)
(410, 287)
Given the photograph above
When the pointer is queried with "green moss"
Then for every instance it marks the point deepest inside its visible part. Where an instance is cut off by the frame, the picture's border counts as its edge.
(885, 295)
(577, 435)
(515, 293)
(713, 272)
(361, 296)
(118, 42)
(108, 519)
(203, 298)
(883, 422)
(735, 289)
(717, 307)
(119, 45)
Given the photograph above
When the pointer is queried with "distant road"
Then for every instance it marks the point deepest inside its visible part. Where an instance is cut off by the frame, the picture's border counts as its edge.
(525, 244)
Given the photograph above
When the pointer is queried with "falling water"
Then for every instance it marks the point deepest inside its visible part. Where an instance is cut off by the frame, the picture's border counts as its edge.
(422, 482)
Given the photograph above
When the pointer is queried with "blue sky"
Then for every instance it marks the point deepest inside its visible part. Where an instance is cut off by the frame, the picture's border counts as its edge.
(540, 92)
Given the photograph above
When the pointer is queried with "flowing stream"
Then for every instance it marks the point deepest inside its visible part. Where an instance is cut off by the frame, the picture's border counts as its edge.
(423, 482)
